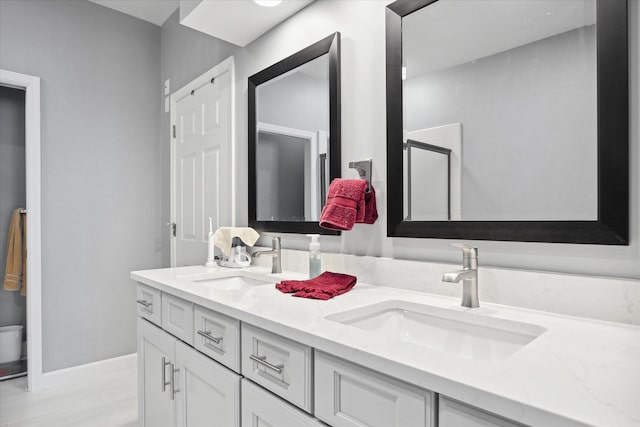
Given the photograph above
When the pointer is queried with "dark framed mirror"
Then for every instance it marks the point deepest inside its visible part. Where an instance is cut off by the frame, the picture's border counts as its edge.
(529, 102)
(294, 139)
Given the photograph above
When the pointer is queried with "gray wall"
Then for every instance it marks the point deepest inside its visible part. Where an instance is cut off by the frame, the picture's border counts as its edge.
(280, 178)
(185, 55)
(527, 113)
(363, 135)
(101, 101)
(297, 101)
(12, 193)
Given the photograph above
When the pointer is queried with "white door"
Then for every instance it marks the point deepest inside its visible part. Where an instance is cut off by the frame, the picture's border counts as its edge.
(155, 355)
(209, 393)
(202, 165)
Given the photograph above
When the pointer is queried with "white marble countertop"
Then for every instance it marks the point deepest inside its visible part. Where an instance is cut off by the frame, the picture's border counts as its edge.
(578, 372)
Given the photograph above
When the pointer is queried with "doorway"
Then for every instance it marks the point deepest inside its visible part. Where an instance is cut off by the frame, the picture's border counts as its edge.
(202, 162)
(30, 86)
(13, 303)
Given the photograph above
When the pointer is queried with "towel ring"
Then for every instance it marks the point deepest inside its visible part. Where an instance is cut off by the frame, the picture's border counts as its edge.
(363, 167)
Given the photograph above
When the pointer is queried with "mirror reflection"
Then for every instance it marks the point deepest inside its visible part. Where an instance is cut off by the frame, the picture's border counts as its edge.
(292, 150)
(500, 111)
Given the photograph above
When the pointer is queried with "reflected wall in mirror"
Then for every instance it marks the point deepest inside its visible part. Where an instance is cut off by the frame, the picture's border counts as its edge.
(506, 121)
(294, 138)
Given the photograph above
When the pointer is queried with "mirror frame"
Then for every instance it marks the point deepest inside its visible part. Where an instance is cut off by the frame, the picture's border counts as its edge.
(329, 45)
(612, 225)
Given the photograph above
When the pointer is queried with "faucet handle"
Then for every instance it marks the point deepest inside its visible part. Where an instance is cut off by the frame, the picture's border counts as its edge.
(467, 251)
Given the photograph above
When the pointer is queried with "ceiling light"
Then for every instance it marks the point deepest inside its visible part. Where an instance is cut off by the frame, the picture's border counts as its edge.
(268, 3)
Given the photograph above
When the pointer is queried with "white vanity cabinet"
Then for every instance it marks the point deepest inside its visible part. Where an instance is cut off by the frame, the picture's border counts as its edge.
(199, 367)
(348, 395)
(455, 414)
(178, 386)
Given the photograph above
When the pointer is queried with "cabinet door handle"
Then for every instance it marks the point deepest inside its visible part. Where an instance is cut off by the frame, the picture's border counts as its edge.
(164, 378)
(208, 336)
(174, 390)
(145, 303)
(263, 361)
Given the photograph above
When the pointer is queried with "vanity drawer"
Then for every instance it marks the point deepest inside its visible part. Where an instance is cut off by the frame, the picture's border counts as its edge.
(217, 336)
(177, 317)
(348, 395)
(278, 364)
(259, 407)
(148, 303)
(456, 414)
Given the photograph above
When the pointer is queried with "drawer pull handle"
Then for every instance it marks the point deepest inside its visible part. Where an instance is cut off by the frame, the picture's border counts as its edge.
(145, 303)
(208, 336)
(164, 364)
(262, 360)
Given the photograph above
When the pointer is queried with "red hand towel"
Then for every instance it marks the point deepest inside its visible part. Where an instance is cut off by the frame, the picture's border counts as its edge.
(345, 204)
(325, 286)
(370, 208)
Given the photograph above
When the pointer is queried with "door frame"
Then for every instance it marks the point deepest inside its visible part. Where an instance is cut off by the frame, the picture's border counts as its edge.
(31, 86)
(311, 208)
(226, 65)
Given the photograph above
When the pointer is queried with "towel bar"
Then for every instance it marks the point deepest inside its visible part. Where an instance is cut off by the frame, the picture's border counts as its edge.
(23, 211)
(364, 168)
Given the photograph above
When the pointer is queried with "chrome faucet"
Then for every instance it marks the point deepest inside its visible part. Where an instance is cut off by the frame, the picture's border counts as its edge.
(275, 252)
(469, 275)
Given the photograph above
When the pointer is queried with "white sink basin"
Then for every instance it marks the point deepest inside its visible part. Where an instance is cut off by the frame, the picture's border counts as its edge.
(229, 281)
(467, 334)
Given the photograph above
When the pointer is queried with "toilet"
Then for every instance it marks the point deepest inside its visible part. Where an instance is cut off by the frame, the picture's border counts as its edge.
(10, 343)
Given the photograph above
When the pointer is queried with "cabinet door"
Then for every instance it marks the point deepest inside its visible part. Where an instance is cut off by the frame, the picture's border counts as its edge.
(456, 414)
(156, 350)
(208, 393)
(260, 408)
(348, 395)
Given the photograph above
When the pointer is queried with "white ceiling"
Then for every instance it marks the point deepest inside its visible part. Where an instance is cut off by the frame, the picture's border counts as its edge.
(154, 11)
(238, 21)
(449, 33)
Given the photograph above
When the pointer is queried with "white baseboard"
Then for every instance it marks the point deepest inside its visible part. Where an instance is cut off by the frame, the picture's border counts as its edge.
(80, 373)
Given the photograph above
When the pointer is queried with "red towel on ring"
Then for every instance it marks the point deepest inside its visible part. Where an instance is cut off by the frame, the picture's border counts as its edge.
(370, 208)
(348, 203)
(325, 286)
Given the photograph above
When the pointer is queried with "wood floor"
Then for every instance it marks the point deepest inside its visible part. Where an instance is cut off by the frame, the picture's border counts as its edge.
(102, 402)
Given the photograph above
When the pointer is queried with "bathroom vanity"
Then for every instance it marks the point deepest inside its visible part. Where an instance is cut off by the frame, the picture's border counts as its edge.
(227, 348)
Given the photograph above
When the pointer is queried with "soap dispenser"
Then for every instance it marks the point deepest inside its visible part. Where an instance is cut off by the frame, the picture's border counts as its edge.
(315, 260)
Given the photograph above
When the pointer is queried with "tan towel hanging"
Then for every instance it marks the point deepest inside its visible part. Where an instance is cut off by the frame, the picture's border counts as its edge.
(15, 279)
